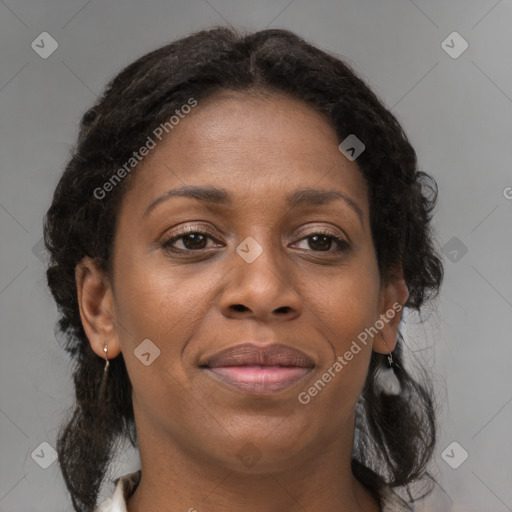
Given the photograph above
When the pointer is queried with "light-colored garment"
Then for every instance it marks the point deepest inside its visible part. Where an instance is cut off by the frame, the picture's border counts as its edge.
(127, 484)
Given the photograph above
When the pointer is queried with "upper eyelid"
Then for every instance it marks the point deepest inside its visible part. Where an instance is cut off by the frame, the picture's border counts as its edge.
(210, 232)
(321, 229)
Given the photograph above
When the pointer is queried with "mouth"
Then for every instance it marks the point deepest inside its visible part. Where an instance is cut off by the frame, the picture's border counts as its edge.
(259, 370)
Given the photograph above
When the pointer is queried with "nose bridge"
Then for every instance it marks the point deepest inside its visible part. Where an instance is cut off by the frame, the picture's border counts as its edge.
(261, 280)
(259, 254)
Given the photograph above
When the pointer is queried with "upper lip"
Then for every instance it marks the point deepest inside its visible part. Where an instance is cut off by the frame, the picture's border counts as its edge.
(250, 354)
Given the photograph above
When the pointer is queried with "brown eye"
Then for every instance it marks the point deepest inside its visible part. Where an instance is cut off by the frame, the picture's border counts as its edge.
(320, 242)
(194, 241)
(191, 240)
(324, 242)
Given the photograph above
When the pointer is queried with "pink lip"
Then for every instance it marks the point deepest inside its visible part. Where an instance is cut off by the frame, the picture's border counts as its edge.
(260, 380)
(260, 370)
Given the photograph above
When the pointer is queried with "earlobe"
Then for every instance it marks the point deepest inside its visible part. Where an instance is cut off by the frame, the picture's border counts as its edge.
(394, 296)
(96, 306)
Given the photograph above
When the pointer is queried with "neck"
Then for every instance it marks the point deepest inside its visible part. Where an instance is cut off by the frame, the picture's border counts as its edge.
(177, 478)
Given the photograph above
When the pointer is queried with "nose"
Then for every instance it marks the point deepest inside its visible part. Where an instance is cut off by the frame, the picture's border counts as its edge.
(262, 289)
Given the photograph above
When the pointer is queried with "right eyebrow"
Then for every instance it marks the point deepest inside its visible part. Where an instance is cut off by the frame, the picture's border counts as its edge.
(207, 194)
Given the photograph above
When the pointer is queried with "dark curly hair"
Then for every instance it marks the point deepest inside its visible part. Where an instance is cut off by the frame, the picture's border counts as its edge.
(396, 433)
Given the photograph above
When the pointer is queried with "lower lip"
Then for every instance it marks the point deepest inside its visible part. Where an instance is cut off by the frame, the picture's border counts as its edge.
(260, 380)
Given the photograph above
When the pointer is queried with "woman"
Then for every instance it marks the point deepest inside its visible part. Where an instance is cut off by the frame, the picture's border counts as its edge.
(233, 242)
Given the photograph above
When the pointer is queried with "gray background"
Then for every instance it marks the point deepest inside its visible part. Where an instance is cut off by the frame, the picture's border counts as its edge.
(457, 113)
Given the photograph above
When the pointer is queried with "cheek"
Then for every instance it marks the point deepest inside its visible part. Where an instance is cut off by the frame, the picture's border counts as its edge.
(344, 313)
(164, 305)
(160, 302)
(349, 301)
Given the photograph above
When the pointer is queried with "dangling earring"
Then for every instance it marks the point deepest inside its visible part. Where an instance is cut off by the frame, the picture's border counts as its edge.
(386, 381)
(103, 384)
(107, 363)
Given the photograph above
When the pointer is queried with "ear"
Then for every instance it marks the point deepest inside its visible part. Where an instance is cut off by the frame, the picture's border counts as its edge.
(393, 296)
(96, 303)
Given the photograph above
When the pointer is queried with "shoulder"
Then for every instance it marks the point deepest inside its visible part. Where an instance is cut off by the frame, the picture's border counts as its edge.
(125, 487)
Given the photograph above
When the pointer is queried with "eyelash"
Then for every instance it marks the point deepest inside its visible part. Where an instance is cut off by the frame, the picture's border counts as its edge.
(342, 244)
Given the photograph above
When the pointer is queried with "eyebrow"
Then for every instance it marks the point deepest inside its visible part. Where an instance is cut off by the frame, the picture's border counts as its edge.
(214, 195)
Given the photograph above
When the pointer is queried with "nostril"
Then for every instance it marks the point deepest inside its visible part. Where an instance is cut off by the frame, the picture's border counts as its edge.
(239, 307)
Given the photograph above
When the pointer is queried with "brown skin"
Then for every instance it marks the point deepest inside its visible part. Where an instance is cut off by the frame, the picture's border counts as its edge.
(190, 426)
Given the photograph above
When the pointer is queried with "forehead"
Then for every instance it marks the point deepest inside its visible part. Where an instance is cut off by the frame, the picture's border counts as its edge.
(255, 145)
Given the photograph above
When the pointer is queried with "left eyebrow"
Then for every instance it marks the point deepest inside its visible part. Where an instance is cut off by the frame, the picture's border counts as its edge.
(311, 196)
(301, 197)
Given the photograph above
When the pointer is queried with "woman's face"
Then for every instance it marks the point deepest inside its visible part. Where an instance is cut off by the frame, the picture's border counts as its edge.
(262, 267)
